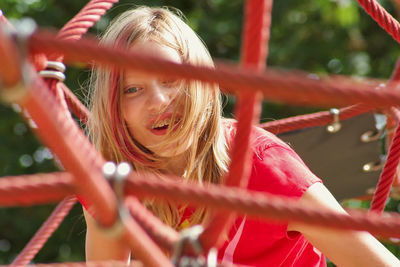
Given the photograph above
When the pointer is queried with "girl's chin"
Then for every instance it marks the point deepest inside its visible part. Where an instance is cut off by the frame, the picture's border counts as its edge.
(172, 151)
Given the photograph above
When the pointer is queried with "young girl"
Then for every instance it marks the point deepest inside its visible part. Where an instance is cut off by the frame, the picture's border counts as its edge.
(167, 126)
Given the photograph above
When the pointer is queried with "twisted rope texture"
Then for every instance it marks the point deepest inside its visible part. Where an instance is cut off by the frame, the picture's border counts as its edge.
(388, 175)
(66, 140)
(31, 102)
(85, 19)
(254, 52)
(45, 231)
(74, 30)
(258, 205)
(382, 17)
(394, 26)
(26, 190)
(290, 87)
(389, 170)
(312, 120)
(254, 204)
(164, 235)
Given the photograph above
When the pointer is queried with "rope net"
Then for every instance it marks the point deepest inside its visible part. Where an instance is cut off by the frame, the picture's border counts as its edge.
(47, 101)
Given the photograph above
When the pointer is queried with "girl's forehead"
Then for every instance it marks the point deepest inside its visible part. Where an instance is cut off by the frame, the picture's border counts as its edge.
(153, 49)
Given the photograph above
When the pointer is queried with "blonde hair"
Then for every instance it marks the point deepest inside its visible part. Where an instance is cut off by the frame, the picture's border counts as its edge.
(207, 157)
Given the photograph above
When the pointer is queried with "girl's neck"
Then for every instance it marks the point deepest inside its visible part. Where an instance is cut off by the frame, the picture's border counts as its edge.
(177, 165)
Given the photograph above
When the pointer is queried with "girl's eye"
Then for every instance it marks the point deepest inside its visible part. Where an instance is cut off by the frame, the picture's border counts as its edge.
(132, 90)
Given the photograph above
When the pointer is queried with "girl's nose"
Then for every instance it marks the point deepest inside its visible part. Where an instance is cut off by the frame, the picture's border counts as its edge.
(159, 97)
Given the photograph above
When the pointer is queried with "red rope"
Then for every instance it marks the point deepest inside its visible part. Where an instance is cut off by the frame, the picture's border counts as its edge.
(27, 190)
(390, 170)
(289, 87)
(312, 120)
(142, 246)
(10, 72)
(225, 199)
(388, 174)
(254, 53)
(111, 263)
(390, 118)
(164, 235)
(382, 17)
(84, 264)
(256, 204)
(67, 141)
(369, 98)
(82, 21)
(45, 231)
(74, 30)
(76, 107)
(390, 25)
(85, 19)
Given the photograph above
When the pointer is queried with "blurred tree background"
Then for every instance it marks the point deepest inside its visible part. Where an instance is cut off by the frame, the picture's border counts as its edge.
(318, 36)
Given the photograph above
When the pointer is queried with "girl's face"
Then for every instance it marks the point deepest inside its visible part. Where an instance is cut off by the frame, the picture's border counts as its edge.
(148, 102)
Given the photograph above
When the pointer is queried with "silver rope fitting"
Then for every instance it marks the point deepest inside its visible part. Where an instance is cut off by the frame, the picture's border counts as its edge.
(190, 237)
(54, 70)
(116, 175)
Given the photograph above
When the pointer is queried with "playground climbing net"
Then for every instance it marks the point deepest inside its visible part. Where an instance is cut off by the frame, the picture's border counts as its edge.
(35, 83)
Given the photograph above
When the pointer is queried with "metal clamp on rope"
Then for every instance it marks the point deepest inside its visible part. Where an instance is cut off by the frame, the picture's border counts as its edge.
(24, 29)
(54, 70)
(191, 236)
(116, 175)
(335, 126)
(375, 165)
(371, 135)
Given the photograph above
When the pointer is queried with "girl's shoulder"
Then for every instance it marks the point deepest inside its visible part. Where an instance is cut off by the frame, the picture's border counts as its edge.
(260, 139)
(276, 168)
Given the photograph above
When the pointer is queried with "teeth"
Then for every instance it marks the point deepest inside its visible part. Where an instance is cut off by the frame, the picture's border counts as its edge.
(161, 123)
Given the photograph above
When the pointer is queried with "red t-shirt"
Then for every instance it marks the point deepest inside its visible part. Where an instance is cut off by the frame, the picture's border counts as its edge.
(277, 170)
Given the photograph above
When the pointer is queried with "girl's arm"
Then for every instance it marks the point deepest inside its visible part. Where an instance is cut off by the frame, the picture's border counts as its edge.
(342, 247)
(100, 247)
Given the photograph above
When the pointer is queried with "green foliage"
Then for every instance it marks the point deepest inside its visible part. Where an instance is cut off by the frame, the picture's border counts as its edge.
(318, 36)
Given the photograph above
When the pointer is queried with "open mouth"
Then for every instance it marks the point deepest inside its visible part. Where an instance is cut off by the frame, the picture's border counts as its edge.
(163, 124)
